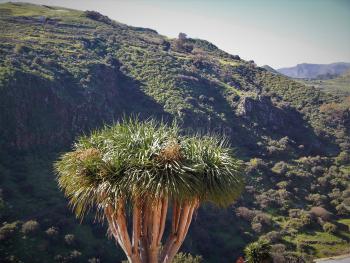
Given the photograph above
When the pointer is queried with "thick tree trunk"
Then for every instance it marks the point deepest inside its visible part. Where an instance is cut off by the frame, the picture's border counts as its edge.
(144, 230)
(182, 217)
(148, 222)
(162, 219)
(136, 235)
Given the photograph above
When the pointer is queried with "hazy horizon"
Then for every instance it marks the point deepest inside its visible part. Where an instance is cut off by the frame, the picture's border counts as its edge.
(278, 33)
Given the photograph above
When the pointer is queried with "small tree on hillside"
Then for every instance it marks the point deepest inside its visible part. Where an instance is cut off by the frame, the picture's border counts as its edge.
(140, 169)
(182, 36)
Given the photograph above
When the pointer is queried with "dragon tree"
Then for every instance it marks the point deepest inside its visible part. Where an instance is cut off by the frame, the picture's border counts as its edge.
(134, 173)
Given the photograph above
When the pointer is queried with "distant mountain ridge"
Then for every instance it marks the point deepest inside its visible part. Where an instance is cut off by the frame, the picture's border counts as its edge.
(270, 69)
(306, 70)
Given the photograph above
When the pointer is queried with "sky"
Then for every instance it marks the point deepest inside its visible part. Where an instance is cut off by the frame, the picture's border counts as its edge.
(279, 33)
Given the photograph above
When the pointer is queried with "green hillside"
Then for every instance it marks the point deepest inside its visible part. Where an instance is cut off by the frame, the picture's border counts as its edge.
(65, 72)
(339, 85)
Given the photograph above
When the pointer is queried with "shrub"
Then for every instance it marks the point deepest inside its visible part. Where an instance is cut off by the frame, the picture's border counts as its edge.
(236, 57)
(201, 61)
(294, 213)
(256, 164)
(245, 213)
(278, 258)
(329, 227)
(69, 239)
(165, 45)
(283, 194)
(342, 209)
(345, 194)
(30, 227)
(317, 170)
(283, 184)
(323, 181)
(187, 258)
(302, 246)
(336, 112)
(278, 248)
(336, 193)
(280, 168)
(75, 254)
(343, 158)
(294, 224)
(294, 257)
(266, 199)
(273, 236)
(257, 227)
(98, 17)
(305, 219)
(182, 36)
(58, 258)
(316, 199)
(181, 45)
(11, 259)
(278, 252)
(262, 218)
(320, 212)
(258, 252)
(8, 230)
(52, 232)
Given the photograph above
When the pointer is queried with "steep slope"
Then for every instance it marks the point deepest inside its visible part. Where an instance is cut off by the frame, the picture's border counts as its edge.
(313, 71)
(84, 63)
(65, 72)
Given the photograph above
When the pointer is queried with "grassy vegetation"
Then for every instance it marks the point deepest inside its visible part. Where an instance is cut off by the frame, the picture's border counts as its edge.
(339, 85)
(322, 244)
